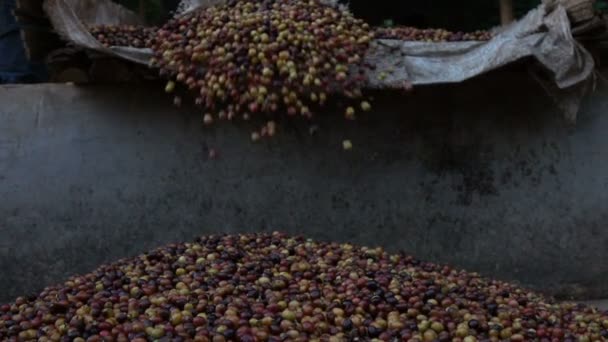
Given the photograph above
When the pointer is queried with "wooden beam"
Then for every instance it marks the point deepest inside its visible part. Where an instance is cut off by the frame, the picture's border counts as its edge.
(142, 11)
(506, 12)
(32, 7)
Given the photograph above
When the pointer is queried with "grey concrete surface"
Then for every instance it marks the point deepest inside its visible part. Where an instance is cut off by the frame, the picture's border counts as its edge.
(483, 175)
(600, 304)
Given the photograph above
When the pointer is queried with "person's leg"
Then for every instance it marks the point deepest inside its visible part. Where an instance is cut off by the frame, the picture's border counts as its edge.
(14, 65)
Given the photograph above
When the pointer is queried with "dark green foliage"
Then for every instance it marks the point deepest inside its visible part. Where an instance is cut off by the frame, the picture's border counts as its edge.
(154, 12)
(449, 14)
(522, 7)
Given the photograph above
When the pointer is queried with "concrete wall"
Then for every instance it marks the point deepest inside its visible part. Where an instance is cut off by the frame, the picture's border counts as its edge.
(484, 175)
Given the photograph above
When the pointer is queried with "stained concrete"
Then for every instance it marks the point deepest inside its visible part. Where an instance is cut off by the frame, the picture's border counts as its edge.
(484, 175)
(600, 304)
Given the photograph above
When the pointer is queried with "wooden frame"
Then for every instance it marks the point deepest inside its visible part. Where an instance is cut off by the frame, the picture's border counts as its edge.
(506, 12)
(142, 11)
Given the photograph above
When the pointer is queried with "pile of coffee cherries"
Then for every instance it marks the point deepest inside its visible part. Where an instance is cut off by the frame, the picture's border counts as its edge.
(430, 35)
(273, 287)
(123, 35)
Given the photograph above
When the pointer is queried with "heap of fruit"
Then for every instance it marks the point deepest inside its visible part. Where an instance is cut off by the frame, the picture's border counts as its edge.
(430, 35)
(271, 287)
(264, 59)
(123, 35)
(270, 57)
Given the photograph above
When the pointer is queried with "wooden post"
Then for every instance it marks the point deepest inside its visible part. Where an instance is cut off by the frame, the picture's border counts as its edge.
(506, 12)
(142, 11)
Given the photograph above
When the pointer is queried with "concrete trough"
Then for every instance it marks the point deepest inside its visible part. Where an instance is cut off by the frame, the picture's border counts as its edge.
(485, 175)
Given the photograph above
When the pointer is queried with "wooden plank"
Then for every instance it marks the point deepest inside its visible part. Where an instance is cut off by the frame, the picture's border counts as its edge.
(506, 12)
(32, 7)
(142, 11)
(36, 31)
(70, 74)
(26, 19)
(38, 43)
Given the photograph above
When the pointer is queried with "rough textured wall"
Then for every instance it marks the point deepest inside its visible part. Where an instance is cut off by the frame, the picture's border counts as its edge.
(484, 175)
